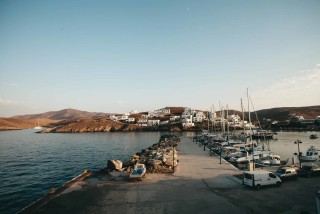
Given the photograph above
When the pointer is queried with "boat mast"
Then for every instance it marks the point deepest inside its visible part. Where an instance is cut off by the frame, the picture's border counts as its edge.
(250, 129)
(213, 119)
(242, 117)
(227, 121)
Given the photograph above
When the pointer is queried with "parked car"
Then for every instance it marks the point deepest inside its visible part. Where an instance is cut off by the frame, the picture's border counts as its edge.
(287, 173)
(309, 170)
(260, 178)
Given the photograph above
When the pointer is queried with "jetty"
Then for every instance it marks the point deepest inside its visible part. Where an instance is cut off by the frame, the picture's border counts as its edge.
(199, 184)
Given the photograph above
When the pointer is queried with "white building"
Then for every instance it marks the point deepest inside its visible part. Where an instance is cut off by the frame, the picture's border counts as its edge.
(143, 122)
(163, 111)
(187, 121)
(153, 122)
(198, 116)
(130, 120)
(174, 118)
(234, 118)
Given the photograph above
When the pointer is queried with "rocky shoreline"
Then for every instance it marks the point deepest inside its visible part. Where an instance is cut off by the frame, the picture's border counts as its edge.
(161, 157)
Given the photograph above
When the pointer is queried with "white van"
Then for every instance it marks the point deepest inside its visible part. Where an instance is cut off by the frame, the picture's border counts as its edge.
(260, 178)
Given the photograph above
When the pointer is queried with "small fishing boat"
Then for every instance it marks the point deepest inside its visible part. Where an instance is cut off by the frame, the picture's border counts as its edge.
(269, 160)
(311, 155)
(139, 171)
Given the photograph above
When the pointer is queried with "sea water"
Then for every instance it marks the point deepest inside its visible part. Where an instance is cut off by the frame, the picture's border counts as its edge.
(31, 164)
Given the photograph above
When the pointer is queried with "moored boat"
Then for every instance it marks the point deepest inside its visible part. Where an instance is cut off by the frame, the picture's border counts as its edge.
(313, 136)
(139, 171)
(311, 155)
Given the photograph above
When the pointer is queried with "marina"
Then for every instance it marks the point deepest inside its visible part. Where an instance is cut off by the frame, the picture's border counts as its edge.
(200, 184)
(124, 146)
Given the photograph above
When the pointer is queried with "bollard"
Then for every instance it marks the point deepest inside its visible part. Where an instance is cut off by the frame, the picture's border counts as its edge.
(204, 148)
(293, 162)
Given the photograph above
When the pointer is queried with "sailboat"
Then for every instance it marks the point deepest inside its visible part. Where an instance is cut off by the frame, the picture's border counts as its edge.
(38, 126)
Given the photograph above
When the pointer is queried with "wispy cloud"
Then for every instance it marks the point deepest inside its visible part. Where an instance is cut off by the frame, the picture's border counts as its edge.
(7, 102)
(13, 85)
(303, 89)
(119, 103)
(14, 107)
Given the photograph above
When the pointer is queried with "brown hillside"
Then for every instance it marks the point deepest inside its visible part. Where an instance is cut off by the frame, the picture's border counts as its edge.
(16, 124)
(309, 112)
(89, 125)
(62, 115)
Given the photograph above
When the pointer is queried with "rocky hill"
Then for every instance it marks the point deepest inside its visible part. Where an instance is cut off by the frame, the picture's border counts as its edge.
(64, 114)
(281, 114)
(17, 124)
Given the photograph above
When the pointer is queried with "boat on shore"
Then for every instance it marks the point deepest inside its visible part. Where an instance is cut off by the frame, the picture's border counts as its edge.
(138, 172)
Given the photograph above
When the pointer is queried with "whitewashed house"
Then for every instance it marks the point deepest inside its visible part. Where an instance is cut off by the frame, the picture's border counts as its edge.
(164, 122)
(143, 122)
(152, 114)
(163, 111)
(234, 118)
(130, 120)
(113, 117)
(187, 121)
(174, 118)
(198, 117)
(186, 113)
(153, 122)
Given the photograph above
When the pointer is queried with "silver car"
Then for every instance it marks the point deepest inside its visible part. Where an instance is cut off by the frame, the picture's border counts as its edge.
(287, 173)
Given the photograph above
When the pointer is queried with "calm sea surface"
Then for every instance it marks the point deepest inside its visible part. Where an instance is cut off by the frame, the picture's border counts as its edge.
(31, 164)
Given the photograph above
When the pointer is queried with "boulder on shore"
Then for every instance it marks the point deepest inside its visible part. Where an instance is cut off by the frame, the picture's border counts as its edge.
(114, 165)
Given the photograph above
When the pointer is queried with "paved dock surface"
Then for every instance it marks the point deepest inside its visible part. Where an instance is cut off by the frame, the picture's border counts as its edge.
(200, 185)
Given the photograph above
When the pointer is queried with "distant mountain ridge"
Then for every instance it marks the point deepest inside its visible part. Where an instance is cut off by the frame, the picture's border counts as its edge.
(64, 114)
(308, 112)
(280, 114)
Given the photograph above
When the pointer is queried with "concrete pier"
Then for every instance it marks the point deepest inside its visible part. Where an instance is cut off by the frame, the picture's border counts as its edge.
(200, 185)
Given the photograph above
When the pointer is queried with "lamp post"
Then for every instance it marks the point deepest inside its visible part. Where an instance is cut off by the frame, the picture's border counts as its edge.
(220, 153)
(318, 201)
(299, 153)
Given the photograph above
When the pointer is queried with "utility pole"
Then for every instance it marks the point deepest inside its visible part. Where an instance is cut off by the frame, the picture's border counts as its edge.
(299, 153)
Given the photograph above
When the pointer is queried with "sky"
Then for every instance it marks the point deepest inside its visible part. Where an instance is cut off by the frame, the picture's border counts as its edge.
(118, 56)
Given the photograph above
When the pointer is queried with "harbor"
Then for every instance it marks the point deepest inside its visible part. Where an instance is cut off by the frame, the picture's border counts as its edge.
(201, 183)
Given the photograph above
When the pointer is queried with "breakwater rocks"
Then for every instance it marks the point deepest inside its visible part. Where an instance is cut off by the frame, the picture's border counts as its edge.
(161, 157)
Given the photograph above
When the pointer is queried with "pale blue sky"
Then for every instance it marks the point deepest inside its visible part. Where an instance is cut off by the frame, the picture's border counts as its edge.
(117, 56)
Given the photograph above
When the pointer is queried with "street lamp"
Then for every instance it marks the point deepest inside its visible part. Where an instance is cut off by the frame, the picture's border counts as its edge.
(318, 201)
(299, 153)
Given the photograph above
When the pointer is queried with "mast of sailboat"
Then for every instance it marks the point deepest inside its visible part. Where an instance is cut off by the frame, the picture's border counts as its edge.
(208, 120)
(227, 121)
(242, 117)
(213, 119)
(250, 129)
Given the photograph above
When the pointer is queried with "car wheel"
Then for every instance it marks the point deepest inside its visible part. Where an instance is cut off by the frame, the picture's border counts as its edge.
(278, 184)
(258, 187)
(309, 174)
